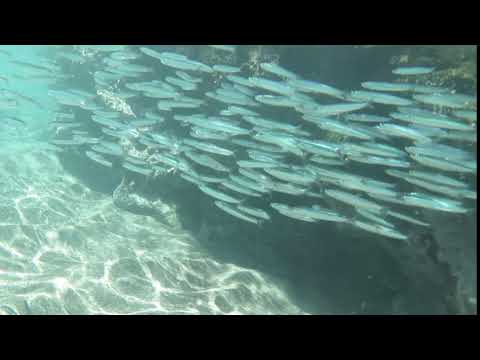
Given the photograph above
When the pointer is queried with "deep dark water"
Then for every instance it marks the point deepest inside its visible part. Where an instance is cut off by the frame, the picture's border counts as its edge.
(340, 65)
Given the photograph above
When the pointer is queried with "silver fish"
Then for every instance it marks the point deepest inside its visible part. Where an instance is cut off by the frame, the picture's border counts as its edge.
(287, 211)
(379, 229)
(98, 158)
(218, 194)
(407, 218)
(207, 147)
(240, 189)
(315, 87)
(234, 212)
(380, 98)
(258, 213)
(433, 202)
(137, 169)
(446, 165)
(413, 70)
(206, 161)
(355, 200)
(432, 120)
(386, 86)
(278, 70)
(271, 85)
(295, 175)
(402, 131)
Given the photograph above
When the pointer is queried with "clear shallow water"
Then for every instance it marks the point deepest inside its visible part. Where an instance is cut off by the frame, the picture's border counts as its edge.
(67, 247)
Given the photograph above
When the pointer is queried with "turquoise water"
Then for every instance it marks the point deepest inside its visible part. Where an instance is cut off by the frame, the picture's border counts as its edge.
(22, 83)
(237, 180)
(34, 88)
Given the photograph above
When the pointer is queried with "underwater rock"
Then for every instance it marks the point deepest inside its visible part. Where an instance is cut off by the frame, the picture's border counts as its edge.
(124, 198)
(456, 247)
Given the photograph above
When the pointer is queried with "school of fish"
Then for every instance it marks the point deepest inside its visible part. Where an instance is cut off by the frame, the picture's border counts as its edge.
(258, 145)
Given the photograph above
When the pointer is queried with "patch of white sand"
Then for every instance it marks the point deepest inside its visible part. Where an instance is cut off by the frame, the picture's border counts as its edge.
(65, 249)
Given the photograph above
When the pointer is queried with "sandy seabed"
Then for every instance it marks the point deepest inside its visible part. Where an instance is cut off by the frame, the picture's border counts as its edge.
(65, 249)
